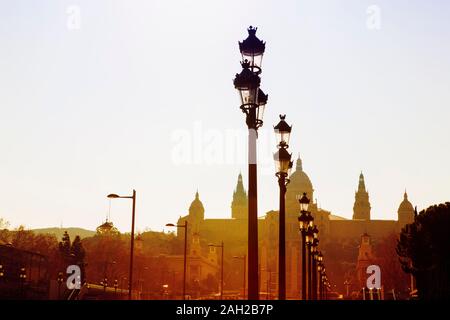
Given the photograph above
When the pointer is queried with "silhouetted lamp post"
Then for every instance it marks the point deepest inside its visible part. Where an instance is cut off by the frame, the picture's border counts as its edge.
(104, 283)
(221, 267)
(304, 221)
(309, 241)
(253, 102)
(23, 278)
(314, 249)
(319, 270)
(133, 197)
(116, 285)
(283, 165)
(347, 285)
(185, 226)
(244, 258)
(60, 281)
(2, 272)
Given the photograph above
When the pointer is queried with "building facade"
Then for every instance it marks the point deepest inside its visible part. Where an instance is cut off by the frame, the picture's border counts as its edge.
(334, 230)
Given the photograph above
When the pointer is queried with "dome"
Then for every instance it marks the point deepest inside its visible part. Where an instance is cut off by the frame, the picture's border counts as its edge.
(405, 206)
(299, 183)
(196, 207)
(300, 180)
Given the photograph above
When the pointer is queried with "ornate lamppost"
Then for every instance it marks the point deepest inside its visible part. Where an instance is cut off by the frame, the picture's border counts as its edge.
(314, 252)
(253, 101)
(283, 165)
(304, 221)
(319, 270)
(309, 241)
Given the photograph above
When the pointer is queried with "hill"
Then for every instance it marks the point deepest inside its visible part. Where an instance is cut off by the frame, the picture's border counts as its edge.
(73, 232)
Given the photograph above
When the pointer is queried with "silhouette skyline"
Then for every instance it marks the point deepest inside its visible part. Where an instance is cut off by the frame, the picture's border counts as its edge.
(105, 107)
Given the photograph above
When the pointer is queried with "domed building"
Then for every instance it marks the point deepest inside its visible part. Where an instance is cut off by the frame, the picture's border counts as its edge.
(334, 231)
(405, 211)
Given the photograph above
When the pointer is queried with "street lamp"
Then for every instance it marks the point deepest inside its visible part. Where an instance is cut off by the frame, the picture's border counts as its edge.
(221, 269)
(309, 241)
(244, 258)
(314, 253)
(347, 285)
(104, 283)
(252, 49)
(60, 281)
(116, 285)
(304, 221)
(319, 258)
(2, 272)
(253, 102)
(283, 165)
(23, 278)
(133, 197)
(185, 226)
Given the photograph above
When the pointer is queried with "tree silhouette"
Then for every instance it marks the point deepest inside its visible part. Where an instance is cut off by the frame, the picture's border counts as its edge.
(78, 253)
(424, 251)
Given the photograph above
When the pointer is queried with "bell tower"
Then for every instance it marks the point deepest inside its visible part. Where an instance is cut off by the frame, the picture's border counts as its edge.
(361, 208)
(239, 205)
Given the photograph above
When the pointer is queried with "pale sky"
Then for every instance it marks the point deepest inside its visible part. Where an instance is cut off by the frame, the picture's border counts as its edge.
(101, 97)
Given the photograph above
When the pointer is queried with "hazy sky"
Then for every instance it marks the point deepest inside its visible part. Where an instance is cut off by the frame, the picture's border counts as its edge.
(106, 96)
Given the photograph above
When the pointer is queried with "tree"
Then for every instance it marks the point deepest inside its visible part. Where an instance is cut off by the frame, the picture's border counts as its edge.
(392, 275)
(78, 253)
(65, 247)
(424, 251)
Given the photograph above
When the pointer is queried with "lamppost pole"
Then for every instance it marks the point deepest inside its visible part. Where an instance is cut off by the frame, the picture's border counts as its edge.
(314, 253)
(221, 246)
(283, 164)
(253, 103)
(185, 258)
(132, 243)
(244, 258)
(133, 213)
(304, 297)
(314, 276)
(185, 226)
(305, 222)
(245, 267)
(221, 275)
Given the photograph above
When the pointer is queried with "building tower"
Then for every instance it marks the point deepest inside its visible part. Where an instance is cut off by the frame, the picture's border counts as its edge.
(361, 208)
(196, 215)
(195, 249)
(365, 259)
(405, 212)
(239, 205)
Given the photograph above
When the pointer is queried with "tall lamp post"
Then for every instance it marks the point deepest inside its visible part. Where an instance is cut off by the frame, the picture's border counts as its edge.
(283, 165)
(244, 257)
(221, 267)
(23, 278)
(133, 197)
(319, 270)
(309, 242)
(185, 226)
(314, 253)
(304, 221)
(253, 101)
